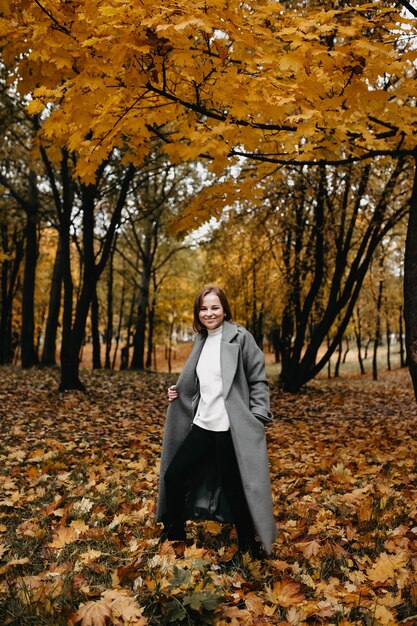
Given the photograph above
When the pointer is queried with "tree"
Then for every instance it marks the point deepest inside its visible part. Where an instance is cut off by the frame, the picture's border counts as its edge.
(19, 179)
(54, 306)
(343, 222)
(284, 83)
(12, 236)
(241, 256)
(145, 243)
(310, 237)
(69, 196)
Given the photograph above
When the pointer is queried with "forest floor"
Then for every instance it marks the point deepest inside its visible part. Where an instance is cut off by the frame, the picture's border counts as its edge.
(78, 537)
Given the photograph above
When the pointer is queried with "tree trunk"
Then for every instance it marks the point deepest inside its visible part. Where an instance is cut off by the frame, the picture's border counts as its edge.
(150, 349)
(329, 363)
(138, 358)
(75, 333)
(339, 358)
(69, 354)
(71, 343)
(171, 330)
(346, 352)
(410, 283)
(49, 345)
(377, 337)
(29, 356)
(401, 337)
(358, 336)
(257, 313)
(109, 329)
(124, 357)
(276, 342)
(301, 365)
(120, 322)
(9, 283)
(74, 336)
(388, 336)
(95, 332)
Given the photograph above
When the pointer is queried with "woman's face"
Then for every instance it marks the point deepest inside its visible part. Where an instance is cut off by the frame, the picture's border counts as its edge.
(211, 312)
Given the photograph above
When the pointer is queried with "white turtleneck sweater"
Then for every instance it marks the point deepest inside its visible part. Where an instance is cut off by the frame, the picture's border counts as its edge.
(211, 411)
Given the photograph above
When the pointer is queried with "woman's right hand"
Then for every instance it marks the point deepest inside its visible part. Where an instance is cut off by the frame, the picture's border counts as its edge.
(172, 393)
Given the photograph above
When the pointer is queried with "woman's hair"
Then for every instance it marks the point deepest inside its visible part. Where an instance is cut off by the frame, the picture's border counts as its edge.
(197, 325)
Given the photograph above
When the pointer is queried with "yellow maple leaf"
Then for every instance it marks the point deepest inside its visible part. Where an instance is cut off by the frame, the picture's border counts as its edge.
(386, 566)
(79, 526)
(285, 593)
(35, 106)
(125, 607)
(94, 613)
(384, 616)
(63, 537)
(90, 556)
(192, 552)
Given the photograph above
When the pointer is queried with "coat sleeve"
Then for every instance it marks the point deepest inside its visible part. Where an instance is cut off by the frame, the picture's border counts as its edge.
(254, 365)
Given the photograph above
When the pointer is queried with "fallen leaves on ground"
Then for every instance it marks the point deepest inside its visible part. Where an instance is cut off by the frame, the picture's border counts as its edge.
(79, 543)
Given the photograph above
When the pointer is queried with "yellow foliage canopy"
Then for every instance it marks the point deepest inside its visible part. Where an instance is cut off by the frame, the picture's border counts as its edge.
(215, 78)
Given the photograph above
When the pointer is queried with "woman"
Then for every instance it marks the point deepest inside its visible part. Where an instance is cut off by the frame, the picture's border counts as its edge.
(214, 461)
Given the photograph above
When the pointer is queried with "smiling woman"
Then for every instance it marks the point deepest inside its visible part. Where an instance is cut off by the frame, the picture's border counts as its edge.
(210, 309)
(214, 461)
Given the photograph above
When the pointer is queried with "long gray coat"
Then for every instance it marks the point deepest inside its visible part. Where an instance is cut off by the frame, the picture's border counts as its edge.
(246, 395)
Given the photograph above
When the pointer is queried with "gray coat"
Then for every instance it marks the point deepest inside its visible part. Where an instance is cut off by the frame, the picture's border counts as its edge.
(246, 395)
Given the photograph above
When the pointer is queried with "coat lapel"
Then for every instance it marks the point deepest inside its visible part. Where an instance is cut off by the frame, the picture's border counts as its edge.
(229, 356)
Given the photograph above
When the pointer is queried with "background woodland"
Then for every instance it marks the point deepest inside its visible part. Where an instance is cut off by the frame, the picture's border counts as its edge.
(114, 211)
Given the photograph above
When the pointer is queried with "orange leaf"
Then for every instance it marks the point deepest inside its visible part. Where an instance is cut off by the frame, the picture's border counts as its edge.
(310, 548)
(63, 537)
(385, 567)
(284, 593)
(254, 603)
(384, 616)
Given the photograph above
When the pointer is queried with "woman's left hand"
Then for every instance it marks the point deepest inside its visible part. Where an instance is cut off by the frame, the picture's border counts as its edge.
(172, 393)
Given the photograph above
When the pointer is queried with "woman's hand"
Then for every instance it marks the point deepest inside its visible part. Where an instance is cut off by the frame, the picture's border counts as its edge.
(172, 393)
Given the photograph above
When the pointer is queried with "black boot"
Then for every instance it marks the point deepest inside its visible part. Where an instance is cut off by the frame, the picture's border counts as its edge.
(173, 531)
(251, 545)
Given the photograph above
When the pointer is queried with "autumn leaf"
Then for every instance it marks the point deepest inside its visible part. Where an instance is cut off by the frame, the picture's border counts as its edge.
(284, 593)
(347, 569)
(63, 537)
(89, 557)
(82, 507)
(304, 84)
(384, 616)
(254, 603)
(309, 548)
(386, 567)
(4, 548)
(13, 563)
(124, 607)
(94, 613)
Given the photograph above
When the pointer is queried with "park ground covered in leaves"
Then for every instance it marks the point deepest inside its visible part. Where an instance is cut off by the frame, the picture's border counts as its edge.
(78, 539)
